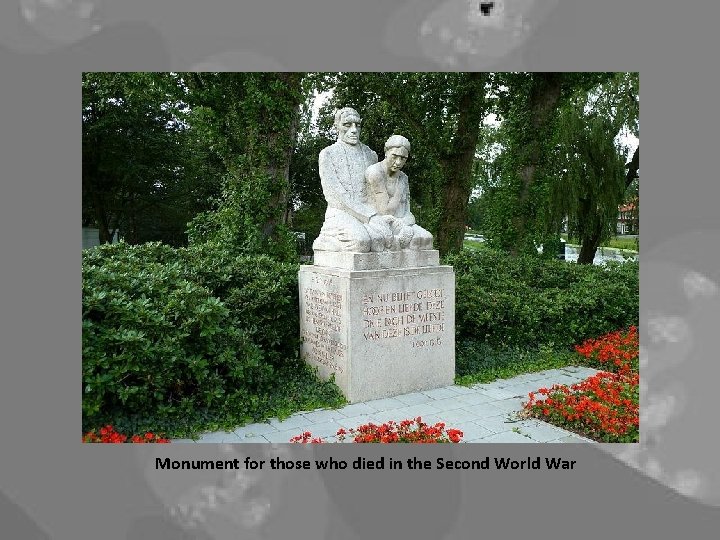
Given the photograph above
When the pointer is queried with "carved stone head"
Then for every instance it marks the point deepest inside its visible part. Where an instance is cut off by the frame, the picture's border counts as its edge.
(347, 123)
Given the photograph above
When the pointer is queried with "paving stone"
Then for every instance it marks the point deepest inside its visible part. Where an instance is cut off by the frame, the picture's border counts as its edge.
(252, 439)
(413, 411)
(522, 389)
(567, 379)
(463, 390)
(457, 415)
(472, 431)
(359, 420)
(541, 431)
(356, 409)
(441, 393)
(497, 424)
(219, 437)
(386, 404)
(323, 415)
(448, 404)
(506, 437)
(531, 377)
(282, 436)
(182, 441)
(484, 410)
(414, 398)
(509, 405)
(572, 369)
(550, 373)
(570, 439)
(498, 393)
(474, 399)
(326, 429)
(294, 421)
(255, 429)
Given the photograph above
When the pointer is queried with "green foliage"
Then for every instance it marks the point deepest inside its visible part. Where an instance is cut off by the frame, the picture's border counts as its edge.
(135, 178)
(479, 362)
(160, 149)
(628, 244)
(257, 289)
(527, 301)
(517, 182)
(192, 338)
(590, 182)
(250, 121)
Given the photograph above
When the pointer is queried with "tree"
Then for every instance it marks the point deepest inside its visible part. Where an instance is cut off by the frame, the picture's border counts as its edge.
(249, 121)
(591, 180)
(131, 137)
(527, 105)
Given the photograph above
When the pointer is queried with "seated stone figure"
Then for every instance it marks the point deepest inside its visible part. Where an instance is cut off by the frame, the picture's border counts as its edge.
(389, 194)
(350, 223)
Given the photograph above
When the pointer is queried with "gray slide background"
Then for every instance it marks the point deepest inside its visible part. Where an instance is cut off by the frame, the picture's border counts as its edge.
(51, 486)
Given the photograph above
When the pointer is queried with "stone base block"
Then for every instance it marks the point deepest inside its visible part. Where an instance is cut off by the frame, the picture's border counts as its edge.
(381, 333)
(410, 258)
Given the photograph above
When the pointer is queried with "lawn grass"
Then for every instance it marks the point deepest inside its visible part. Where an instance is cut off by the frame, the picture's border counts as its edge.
(471, 244)
(628, 244)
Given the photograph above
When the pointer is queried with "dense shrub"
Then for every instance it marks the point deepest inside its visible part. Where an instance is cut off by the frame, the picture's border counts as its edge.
(527, 301)
(258, 290)
(170, 333)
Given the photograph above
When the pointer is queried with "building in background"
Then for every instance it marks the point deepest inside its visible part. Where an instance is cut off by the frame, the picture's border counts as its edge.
(628, 222)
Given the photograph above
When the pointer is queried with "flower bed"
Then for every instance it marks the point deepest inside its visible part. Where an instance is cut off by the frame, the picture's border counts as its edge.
(407, 431)
(617, 351)
(604, 407)
(107, 434)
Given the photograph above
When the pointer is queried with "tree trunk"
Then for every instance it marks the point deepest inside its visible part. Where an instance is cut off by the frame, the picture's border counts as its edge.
(588, 249)
(279, 167)
(543, 102)
(633, 168)
(102, 219)
(459, 181)
(589, 235)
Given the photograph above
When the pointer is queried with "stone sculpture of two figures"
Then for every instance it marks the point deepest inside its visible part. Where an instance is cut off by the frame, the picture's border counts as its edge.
(368, 201)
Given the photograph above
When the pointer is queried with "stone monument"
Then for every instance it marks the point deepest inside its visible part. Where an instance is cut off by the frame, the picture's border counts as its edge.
(377, 309)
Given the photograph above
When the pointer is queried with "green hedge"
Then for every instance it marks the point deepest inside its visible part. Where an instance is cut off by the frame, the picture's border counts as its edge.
(179, 333)
(527, 301)
(184, 338)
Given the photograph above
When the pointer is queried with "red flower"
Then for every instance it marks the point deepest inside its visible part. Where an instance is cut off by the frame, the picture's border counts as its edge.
(605, 406)
(109, 435)
(391, 432)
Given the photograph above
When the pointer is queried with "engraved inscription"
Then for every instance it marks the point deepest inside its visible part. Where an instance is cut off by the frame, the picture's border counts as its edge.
(418, 315)
(322, 325)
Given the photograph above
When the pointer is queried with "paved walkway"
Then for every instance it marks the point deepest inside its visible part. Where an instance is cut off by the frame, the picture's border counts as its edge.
(484, 413)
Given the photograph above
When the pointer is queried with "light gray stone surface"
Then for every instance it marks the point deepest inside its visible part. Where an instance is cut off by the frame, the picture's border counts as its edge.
(368, 202)
(342, 168)
(408, 258)
(381, 333)
(388, 192)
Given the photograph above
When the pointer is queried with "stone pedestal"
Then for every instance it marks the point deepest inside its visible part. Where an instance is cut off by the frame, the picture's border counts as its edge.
(381, 331)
